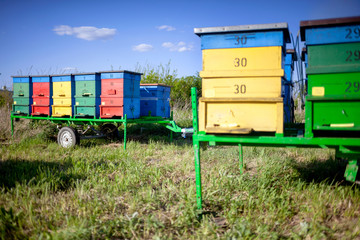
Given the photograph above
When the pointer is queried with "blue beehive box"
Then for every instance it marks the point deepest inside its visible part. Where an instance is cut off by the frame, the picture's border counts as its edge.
(131, 82)
(260, 35)
(290, 58)
(330, 31)
(120, 94)
(286, 90)
(155, 100)
(131, 108)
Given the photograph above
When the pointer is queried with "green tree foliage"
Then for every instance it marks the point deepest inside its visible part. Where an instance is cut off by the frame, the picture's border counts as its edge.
(181, 87)
(2, 101)
(5, 98)
(181, 90)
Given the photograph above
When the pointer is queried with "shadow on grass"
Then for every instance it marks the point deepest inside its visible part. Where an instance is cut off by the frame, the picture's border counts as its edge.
(201, 215)
(330, 170)
(57, 176)
(142, 133)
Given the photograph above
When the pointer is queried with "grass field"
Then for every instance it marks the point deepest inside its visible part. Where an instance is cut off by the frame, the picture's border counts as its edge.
(99, 191)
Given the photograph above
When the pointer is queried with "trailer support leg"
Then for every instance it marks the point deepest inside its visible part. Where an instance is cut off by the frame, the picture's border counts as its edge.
(198, 175)
(171, 136)
(12, 125)
(241, 158)
(171, 132)
(125, 126)
(196, 144)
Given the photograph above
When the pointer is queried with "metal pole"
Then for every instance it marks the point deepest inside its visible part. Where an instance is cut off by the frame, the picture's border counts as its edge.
(241, 162)
(196, 145)
(198, 174)
(171, 132)
(171, 136)
(12, 126)
(125, 126)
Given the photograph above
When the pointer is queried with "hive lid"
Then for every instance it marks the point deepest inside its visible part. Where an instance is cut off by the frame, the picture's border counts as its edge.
(61, 75)
(40, 76)
(326, 23)
(246, 28)
(154, 84)
(90, 73)
(121, 71)
(20, 76)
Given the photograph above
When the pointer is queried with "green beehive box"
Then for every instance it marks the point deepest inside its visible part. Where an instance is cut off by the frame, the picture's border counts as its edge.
(21, 109)
(85, 89)
(335, 101)
(21, 90)
(85, 101)
(21, 101)
(336, 85)
(333, 58)
(336, 115)
(85, 111)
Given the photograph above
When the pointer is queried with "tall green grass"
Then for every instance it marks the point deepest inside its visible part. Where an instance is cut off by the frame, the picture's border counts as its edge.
(99, 191)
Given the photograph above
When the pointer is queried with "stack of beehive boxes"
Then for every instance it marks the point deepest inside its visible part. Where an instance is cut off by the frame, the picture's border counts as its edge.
(120, 94)
(242, 78)
(22, 95)
(42, 92)
(63, 95)
(155, 98)
(286, 91)
(332, 106)
(87, 95)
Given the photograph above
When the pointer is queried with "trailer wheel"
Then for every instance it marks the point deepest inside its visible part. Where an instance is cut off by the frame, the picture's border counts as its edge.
(68, 137)
(110, 131)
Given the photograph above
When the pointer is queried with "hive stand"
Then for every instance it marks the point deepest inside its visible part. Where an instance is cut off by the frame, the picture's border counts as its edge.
(345, 147)
(74, 136)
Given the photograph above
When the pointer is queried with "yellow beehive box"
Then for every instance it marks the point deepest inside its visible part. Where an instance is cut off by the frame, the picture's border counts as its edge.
(62, 89)
(61, 111)
(242, 62)
(62, 101)
(241, 115)
(241, 87)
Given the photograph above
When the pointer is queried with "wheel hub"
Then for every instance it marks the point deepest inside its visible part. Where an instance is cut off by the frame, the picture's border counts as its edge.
(66, 139)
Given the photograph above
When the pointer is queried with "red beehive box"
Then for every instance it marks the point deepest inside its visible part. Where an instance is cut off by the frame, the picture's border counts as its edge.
(112, 87)
(41, 95)
(112, 98)
(120, 94)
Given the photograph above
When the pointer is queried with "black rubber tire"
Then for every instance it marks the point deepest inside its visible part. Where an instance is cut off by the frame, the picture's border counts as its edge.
(68, 137)
(110, 131)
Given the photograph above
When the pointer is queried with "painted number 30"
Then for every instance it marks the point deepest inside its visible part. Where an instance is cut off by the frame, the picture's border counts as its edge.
(240, 88)
(240, 62)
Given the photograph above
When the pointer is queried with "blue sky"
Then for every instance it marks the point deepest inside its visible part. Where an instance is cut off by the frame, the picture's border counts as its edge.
(55, 36)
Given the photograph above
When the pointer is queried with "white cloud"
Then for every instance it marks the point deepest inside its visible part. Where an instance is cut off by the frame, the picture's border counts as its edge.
(177, 47)
(142, 47)
(166, 28)
(167, 45)
(86, 32)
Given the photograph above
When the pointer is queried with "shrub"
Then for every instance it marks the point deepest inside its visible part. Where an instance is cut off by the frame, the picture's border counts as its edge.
(181, 87)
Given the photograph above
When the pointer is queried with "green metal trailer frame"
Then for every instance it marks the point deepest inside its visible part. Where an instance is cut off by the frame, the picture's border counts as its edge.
(168, 123)
(345, 147)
